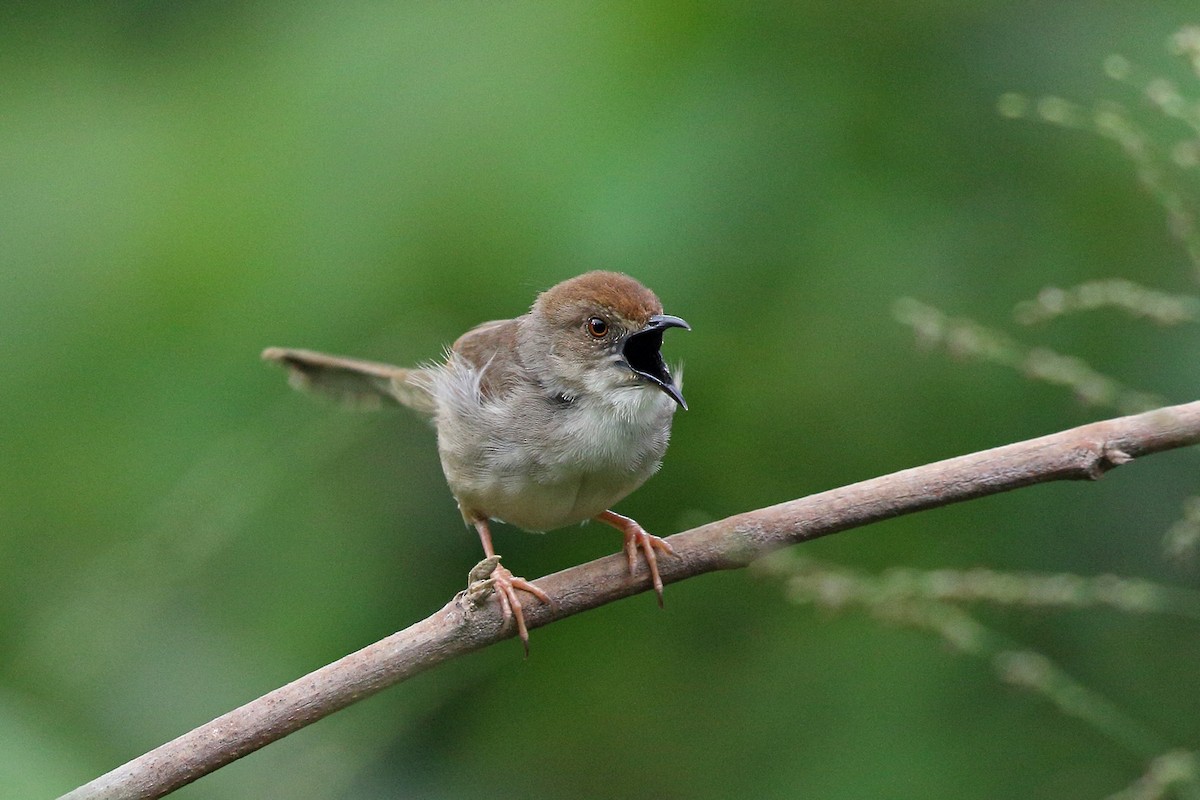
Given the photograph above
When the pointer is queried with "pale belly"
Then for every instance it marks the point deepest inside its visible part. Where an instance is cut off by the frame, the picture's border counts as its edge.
(541, 466)
(536, 506)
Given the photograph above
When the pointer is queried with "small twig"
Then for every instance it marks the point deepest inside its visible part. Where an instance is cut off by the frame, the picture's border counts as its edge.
(472, 621)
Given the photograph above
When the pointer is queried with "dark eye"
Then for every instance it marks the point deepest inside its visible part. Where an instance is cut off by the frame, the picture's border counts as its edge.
(597, 327)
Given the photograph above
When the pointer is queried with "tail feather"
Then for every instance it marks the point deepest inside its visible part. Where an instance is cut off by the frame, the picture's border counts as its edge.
(352, 382)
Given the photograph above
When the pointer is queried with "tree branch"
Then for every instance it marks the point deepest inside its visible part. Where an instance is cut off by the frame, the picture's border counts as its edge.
(472, 621)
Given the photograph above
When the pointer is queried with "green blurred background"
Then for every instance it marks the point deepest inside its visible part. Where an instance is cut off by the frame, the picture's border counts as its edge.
(185, 184)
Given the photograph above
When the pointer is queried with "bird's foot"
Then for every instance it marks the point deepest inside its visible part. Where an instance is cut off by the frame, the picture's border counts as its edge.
(489, 576)
(636, 539)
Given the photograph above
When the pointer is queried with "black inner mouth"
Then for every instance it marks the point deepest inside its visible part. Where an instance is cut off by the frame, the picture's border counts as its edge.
(642, 352)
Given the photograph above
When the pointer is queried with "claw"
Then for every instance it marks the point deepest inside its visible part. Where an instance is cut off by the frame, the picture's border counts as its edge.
(505, 583)
(510, 605)
(636, 539)
(631, 553)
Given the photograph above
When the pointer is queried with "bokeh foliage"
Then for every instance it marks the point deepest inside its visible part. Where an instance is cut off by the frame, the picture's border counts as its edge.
(184, 184)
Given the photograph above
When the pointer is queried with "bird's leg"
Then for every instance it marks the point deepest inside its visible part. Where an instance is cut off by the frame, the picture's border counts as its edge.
(506, 585)
(636, 538)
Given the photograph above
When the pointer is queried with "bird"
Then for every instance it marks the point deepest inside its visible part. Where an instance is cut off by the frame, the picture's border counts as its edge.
(543, 421)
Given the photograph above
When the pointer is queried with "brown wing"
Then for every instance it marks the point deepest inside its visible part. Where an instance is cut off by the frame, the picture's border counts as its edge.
(363, 384)
(491, 347)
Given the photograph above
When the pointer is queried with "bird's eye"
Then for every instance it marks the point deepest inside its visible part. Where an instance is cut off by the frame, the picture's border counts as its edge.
(597, 327)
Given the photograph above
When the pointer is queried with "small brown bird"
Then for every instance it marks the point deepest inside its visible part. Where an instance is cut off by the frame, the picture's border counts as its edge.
(542, 421)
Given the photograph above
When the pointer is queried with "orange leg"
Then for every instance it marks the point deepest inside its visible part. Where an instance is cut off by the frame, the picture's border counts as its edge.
(636, 538)
(506, 585)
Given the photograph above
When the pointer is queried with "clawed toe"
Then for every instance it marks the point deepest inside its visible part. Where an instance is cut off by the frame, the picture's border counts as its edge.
(507, 585)
(648, 544)
(637, 539)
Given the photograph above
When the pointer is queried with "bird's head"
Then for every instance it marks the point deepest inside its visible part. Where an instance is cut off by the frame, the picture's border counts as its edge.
(602, 332)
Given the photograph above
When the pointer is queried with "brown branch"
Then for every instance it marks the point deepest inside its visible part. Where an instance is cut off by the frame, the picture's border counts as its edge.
(472, 621)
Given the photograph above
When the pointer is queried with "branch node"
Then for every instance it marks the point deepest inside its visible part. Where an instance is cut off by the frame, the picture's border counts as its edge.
(480, 585)
(1110, 458)
(1116, 457)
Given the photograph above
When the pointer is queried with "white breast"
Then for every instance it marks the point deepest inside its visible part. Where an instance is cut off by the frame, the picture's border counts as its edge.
(541, 463)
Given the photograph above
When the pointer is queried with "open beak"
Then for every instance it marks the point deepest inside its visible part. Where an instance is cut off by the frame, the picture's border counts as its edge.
(642, 351)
